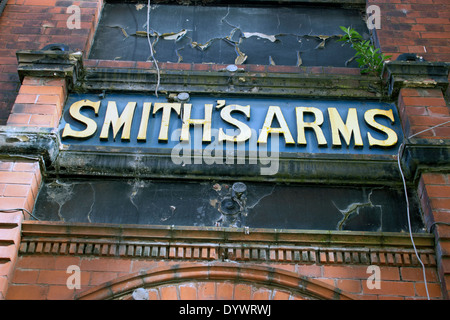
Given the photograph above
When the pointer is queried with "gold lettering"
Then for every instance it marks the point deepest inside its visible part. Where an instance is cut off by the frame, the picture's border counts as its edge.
(245, 131)
(91, 125)
(275, 112)
(301, 125)
(369, 117)
(187, 121)
(142, 135)
(112, 119)
(351, 127)
(165, 119)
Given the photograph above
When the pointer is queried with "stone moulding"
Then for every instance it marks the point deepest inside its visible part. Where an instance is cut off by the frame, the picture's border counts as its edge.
(225, 244)
(300, 167)
(80, 78)
(50, 63)
(42, 143)
(245, 82)
(415, 74)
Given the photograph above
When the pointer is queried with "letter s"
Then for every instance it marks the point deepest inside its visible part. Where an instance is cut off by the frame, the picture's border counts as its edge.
(245, 132)
(369, 117)
(91, 125)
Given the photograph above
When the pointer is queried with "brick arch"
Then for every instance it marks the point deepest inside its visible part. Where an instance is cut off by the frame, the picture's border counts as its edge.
(216, 281)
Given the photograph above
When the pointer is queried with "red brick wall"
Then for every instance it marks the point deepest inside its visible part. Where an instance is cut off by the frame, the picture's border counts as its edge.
(434, 192)
(45, 276)
(39, 103)
(19, 185)
(407, 26)
(415, 26)
(422, 112)
(32, 24)
(423, 27)
(422, 109)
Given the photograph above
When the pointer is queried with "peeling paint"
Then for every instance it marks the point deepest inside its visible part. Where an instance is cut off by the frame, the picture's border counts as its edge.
(201, 46)
(354, 209)
(139, 6)
(322, 44)
(226, 34)
(271, 38)
(174, 36)
(240, 59)
(125, 34)
(299, 59)
(271, 61)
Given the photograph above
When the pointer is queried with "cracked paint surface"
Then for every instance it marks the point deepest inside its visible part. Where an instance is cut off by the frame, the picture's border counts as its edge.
(266, 35)
(357, 208)
(189, 203)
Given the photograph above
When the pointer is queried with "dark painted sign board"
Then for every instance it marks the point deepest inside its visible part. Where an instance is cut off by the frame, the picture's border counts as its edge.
(211, 124)
(140, 124)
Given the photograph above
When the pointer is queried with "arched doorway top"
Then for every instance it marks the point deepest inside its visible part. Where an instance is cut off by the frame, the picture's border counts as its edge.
(255, 275)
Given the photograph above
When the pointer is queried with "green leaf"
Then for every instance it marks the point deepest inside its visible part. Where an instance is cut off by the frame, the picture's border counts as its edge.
(369, 58)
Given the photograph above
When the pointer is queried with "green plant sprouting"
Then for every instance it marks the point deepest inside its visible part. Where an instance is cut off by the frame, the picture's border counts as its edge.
(370, 60)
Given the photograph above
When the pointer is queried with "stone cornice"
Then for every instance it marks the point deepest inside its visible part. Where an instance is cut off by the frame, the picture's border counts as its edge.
(258, 83)
(314, 82)
(415, 74)
(50, 63)
(29, 142)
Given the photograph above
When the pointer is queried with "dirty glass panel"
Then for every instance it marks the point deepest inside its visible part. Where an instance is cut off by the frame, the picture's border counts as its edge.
(296, 35)
(225, 204)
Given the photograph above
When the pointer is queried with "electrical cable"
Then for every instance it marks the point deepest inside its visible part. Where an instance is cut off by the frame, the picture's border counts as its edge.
(438, 223)
(415, 134)
(20, 209)
(151, 49)
(400, 151)
(409, 220)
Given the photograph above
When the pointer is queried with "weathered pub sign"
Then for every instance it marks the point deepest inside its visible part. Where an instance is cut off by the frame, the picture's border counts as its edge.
(212, 152)
(229, 123)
